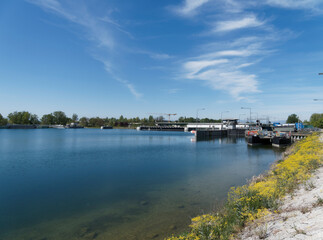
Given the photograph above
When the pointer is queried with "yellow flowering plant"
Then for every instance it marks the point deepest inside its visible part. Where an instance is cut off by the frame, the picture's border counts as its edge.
(256, 200)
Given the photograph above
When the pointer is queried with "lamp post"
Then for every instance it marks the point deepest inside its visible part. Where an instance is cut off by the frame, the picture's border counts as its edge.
(223, 112)
(320, 73)
(197, 115)
(249, 111)
(317, 99)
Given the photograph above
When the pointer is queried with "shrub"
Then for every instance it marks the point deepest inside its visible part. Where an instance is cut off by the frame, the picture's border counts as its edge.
(254, 201)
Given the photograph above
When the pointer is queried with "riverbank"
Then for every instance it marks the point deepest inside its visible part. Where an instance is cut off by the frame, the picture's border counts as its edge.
(299, 217)
(251, 209)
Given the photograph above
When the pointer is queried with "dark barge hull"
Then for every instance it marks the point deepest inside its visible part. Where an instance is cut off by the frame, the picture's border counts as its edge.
(152, 128)
(256, 140)
(280, 141)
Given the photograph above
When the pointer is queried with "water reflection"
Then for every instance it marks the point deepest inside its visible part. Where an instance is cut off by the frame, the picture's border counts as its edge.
(116, 184)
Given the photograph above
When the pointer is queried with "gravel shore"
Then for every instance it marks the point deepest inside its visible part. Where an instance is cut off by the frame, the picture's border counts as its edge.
(299, 217)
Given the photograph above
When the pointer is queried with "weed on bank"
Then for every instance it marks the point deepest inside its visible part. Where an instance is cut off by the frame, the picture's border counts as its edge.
(261, 196)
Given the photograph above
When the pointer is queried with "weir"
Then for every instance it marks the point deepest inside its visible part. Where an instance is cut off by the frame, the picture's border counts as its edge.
(205, 134)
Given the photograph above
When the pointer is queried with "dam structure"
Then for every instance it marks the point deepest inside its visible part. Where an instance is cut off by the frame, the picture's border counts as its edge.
(228, 128)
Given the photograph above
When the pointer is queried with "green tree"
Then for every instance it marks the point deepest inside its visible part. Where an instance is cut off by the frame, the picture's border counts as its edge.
(34, 119)
(305, 122)
(60, 117)
(48, 119)
(316, 120)
(160, 119)
(3, 121)
(151, 119)
(181, 119)
(96, 122)
(23, 118)
(293, 118)
(319, 123)
(121, 119)
(84, 121)
(75, 118)
(112, 122)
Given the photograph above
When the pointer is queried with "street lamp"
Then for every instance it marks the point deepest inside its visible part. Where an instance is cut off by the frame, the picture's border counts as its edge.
(320, 73)
(249, 112)
(223, 112)
(197, 114)
(317, 99)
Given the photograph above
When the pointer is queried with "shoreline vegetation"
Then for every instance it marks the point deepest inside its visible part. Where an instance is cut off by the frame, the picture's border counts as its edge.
(261, 197)
(60, 118)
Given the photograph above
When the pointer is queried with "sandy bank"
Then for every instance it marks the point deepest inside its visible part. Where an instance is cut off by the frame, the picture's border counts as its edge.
(299, 217)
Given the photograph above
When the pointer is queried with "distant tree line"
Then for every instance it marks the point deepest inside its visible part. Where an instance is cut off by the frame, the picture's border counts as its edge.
(203, 120)
(316, 120)
(60, 118)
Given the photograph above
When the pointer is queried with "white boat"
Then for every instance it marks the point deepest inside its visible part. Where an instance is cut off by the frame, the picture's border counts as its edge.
(59, 126)
(106, 127)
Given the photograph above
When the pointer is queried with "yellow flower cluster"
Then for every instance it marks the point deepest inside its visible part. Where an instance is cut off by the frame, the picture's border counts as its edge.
(250, 202)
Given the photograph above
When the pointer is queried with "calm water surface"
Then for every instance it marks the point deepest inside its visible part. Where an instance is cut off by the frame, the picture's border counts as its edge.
(115, 184)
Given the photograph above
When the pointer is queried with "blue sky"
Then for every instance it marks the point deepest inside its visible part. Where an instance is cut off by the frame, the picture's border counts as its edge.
(107, 58)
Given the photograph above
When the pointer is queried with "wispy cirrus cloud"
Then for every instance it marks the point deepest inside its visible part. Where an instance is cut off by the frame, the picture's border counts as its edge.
(153, 55)
(226, 67)
(222, 74)
(231, 25)
(98, 30)
(94, 29)
(225, 64)
(193, 67)
(315, 5)
(189, 7)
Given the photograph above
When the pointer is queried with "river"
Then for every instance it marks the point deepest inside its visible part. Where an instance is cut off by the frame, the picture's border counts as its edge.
(116, 184)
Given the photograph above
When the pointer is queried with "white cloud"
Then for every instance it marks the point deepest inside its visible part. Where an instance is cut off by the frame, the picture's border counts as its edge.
(109, 68)
(295, 4)
(231, 25)
(98, 30)
(234, 82)
(195, 66)
(222, 75)
(189, 7)
(227, 69)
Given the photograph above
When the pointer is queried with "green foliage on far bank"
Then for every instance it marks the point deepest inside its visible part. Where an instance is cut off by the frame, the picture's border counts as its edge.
(317, 120)
(23, 118)
(59, 117)
(3, 121)
(293, 118)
